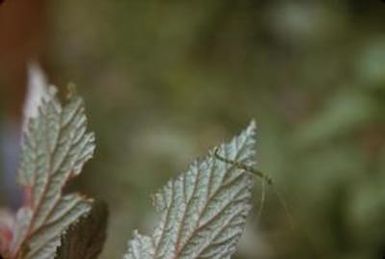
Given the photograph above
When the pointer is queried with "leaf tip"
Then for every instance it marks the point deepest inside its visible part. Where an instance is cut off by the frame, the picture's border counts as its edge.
(252, 125)
(72, 89)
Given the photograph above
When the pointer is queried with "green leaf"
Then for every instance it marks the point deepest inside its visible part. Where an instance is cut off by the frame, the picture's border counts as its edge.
(55, 147)
(203, 211)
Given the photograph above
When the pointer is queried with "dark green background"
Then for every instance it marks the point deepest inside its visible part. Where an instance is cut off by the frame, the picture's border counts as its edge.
(165, 80)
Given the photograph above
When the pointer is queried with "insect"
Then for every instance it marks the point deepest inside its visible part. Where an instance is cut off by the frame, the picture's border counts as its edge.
(266, 179)
(244, 167)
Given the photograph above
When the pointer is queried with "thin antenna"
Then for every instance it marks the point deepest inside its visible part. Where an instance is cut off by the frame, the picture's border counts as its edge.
(262, 201)
(266, 179)
(285, 206)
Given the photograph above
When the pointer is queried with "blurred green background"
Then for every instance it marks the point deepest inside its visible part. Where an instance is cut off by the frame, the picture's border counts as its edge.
(165, 80)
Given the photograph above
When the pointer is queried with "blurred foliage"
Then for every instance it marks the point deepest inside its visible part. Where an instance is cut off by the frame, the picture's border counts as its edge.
(165, 80)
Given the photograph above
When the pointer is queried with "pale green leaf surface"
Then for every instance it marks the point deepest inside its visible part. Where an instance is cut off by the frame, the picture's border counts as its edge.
(55, 147)
(140, 247)
(203, 211)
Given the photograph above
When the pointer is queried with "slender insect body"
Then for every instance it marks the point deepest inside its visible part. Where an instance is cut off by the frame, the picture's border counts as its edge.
(266, 179)
(244, 167)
